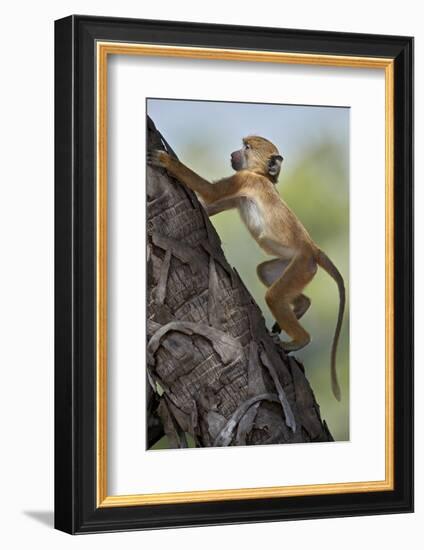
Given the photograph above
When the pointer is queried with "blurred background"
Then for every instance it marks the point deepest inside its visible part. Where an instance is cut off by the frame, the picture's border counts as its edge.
(314, 182)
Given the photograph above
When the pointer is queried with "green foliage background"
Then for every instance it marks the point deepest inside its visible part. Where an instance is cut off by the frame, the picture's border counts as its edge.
(314, 182)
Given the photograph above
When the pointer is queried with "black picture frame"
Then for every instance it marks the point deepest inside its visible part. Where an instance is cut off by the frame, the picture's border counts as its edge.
(76, 510)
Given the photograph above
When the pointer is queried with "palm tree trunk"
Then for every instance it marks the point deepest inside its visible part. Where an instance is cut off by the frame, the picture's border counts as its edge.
(214, 371)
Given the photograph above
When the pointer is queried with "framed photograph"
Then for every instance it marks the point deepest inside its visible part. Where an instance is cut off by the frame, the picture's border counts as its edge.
(234, 274)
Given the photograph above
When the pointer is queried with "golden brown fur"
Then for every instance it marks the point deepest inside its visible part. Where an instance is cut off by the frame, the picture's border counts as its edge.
(275, 228)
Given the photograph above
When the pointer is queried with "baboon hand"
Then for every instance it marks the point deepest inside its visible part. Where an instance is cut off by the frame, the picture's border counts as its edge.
(158, 158)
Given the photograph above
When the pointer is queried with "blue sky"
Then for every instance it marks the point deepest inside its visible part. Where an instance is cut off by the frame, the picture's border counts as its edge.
(215, 129)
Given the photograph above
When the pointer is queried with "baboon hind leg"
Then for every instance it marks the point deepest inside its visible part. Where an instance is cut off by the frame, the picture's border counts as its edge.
(268, 272)
(271, 270)
(300, 305)
(284, 293)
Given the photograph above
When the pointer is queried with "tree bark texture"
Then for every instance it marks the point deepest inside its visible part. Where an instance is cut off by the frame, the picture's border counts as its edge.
(214, 371)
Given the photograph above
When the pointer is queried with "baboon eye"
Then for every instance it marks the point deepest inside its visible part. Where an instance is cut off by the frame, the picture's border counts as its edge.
(246, 146)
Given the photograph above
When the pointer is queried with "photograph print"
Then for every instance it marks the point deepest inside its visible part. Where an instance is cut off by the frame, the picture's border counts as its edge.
(247, 273)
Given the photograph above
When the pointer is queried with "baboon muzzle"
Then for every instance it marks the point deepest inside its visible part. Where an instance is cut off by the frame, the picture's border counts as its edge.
(237, 160)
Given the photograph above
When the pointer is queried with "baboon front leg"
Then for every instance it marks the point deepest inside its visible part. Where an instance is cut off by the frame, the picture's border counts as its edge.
(284, 293)
(220, 206)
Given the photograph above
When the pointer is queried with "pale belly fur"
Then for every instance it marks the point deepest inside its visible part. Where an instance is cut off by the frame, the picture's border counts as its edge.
(254, 220)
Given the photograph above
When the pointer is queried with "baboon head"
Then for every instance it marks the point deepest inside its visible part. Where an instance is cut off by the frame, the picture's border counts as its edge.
(258, 155)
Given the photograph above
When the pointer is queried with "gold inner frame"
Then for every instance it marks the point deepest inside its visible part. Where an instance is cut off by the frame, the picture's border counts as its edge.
(104, 49)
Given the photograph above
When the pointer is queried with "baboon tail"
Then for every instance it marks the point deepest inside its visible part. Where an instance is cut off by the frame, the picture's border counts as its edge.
(324, 261)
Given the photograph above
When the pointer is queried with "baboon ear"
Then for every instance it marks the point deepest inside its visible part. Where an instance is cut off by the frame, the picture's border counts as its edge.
(274, 165)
